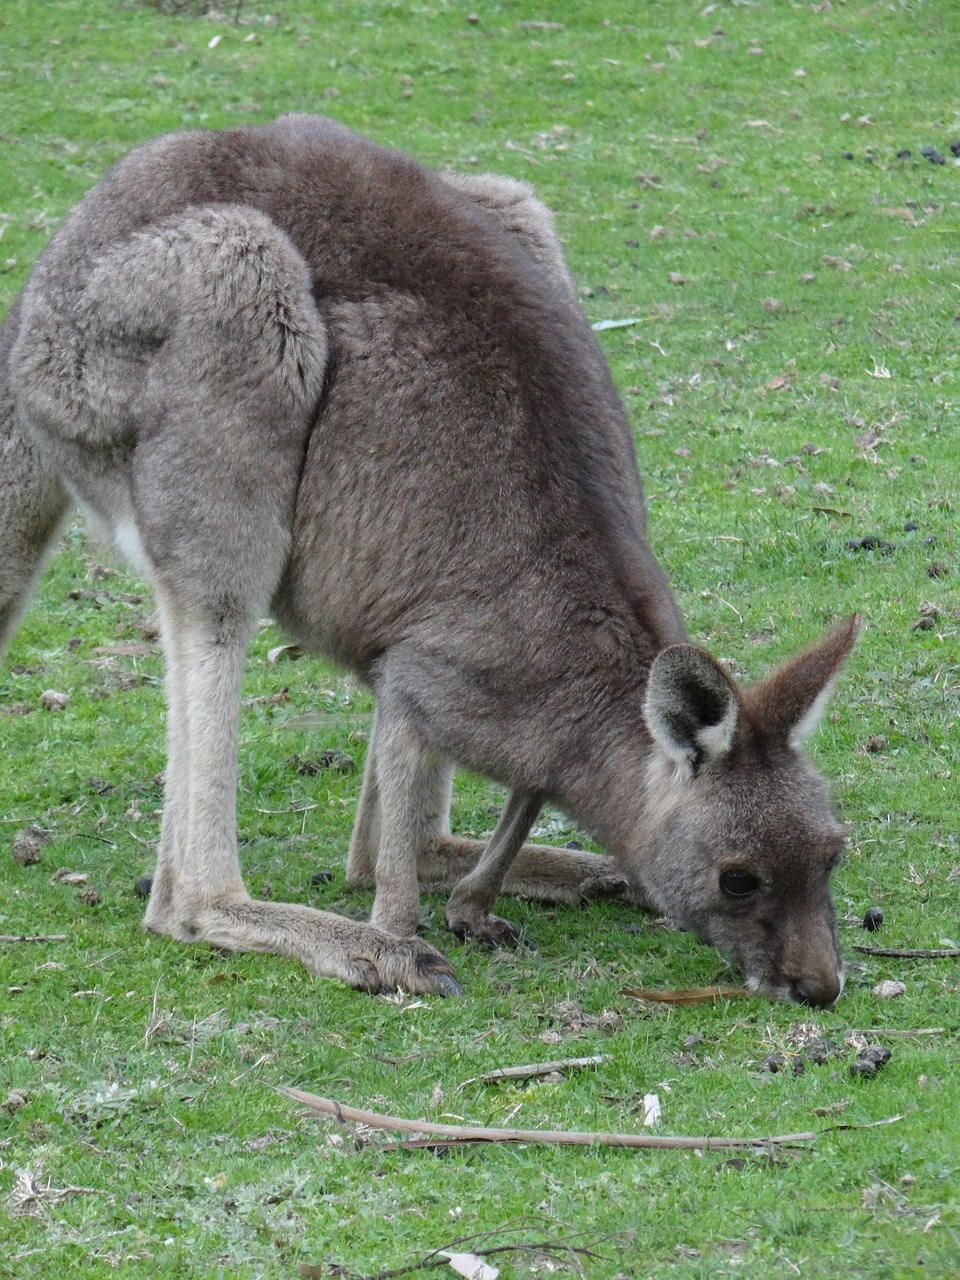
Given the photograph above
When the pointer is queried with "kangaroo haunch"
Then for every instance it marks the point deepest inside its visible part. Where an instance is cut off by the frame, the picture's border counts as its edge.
(288, 369)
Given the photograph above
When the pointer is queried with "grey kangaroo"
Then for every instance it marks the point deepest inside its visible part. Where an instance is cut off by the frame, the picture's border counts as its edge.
(288, 369)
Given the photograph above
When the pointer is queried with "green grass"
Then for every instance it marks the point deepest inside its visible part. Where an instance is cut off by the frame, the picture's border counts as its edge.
(148, 1068)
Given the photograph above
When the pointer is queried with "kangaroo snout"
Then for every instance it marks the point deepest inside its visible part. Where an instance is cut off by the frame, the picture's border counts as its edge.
(821, 991)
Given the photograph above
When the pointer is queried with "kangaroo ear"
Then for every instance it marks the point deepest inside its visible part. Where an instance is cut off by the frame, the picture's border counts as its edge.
(791, 701)
(691, 708)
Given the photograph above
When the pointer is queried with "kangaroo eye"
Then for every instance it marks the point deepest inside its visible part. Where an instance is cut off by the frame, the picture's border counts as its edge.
(738, 884)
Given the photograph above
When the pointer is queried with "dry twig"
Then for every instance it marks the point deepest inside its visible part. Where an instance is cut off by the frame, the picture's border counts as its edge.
(453, 1133)
(919, 953)
(532, 1069)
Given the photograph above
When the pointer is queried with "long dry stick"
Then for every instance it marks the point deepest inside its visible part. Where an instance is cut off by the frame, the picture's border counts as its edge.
(903, 1031)
(922, 953)
(467, 1133)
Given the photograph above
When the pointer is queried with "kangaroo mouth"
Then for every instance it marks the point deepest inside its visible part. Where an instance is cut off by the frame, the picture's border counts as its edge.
(821, 995)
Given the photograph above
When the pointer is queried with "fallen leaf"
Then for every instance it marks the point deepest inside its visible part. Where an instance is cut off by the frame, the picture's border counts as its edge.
(469, 1265)
(690, 995)
(776, 382)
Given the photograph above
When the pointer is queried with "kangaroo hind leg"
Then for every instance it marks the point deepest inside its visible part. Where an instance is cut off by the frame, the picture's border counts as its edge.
(203, 364)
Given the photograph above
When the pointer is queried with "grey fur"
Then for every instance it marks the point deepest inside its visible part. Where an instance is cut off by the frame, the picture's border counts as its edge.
(288, 368)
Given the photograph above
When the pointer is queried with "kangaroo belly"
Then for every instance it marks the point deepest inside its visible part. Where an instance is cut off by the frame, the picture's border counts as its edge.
(408, 515)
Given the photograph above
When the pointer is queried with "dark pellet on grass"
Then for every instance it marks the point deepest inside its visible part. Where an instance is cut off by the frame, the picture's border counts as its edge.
(904, 154)
(861, 1067)
(878, 1054)
(955, 146)
(871, 543)
(822, 1051)
(870, 1060)
(143, 886)
(872, 919)
(910, 526)
(933, 155)
(321, 877)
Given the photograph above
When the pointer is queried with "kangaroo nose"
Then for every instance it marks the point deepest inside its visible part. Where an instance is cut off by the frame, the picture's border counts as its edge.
(821, 993)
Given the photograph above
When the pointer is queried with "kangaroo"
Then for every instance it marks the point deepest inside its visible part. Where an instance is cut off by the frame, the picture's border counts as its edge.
(287, 368)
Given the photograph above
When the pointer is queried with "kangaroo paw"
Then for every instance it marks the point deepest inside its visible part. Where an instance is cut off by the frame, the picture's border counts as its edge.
(604, 886)
(492, 931)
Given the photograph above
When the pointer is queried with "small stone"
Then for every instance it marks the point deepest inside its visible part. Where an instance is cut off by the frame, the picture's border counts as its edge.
(889, 989)
(872, 919)
(53, 700)
(772, 305)
(808, 277)
(90, 896)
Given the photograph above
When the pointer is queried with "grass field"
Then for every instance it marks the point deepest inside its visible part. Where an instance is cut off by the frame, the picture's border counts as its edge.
(727, 175)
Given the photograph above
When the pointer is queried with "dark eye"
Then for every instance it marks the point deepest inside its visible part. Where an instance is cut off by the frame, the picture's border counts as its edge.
(738, 884)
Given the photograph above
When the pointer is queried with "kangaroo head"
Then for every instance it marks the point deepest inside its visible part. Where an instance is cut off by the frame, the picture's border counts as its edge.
(741, 835)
